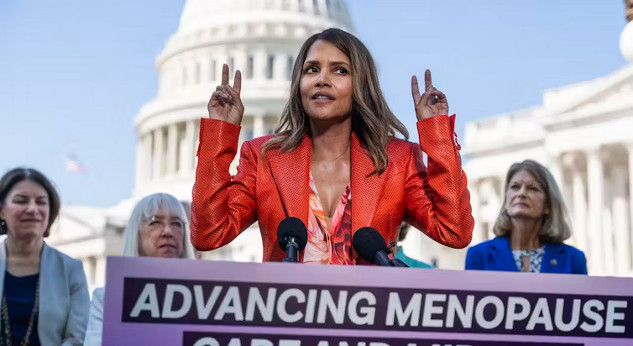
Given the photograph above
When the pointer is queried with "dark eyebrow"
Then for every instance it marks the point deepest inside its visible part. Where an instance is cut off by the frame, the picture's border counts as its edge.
(26, 196)
(333, 63)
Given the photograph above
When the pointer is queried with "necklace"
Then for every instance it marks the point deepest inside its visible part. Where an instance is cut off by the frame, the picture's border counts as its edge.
(7, 325)
(526, 259)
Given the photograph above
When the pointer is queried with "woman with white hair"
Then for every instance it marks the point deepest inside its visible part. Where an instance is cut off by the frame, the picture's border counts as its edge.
(157, 228)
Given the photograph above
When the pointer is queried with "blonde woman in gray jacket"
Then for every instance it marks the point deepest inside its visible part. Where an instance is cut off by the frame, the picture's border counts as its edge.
(44, 293)
(158, 227)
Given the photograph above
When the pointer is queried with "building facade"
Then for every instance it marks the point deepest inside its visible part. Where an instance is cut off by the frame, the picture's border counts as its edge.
(583, 134)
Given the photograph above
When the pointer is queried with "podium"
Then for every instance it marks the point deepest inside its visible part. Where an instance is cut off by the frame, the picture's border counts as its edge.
(151, 301)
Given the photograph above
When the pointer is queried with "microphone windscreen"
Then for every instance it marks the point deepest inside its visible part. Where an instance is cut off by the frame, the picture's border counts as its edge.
(292, 227)
(367, 241)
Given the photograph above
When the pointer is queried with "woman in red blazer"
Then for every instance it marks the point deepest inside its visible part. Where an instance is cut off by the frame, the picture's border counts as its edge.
(336, 135)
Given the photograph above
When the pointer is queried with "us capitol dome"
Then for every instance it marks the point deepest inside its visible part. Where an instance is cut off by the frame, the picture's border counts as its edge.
(259, 37)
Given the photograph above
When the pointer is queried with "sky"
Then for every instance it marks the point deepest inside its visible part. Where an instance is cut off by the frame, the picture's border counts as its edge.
(74, 74)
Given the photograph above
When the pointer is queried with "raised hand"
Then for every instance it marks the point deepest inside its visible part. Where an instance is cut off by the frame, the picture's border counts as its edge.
(432, 103)
(225, 103)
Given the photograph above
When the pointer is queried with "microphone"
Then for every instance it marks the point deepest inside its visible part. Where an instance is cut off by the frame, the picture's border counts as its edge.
(371, 246)
(292, 236)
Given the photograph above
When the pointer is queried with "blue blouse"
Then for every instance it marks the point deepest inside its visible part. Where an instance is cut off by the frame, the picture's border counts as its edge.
(20, 297)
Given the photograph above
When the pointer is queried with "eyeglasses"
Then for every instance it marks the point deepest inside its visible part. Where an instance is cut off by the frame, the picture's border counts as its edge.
(158, 223)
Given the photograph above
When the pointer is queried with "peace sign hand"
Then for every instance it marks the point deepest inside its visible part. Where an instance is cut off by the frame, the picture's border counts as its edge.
(432, 103)
(225, 103)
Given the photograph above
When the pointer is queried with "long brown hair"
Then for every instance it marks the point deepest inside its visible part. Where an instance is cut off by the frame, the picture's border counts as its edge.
(555, 228)
(372, 120)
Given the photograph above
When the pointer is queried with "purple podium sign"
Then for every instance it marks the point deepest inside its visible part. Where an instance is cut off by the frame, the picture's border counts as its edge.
(199, 303)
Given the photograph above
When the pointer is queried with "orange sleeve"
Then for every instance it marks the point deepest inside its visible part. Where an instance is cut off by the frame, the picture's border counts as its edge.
(437, 200)
(222, 205)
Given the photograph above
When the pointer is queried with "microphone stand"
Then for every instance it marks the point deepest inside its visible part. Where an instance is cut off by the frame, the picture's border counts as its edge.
(291, 251)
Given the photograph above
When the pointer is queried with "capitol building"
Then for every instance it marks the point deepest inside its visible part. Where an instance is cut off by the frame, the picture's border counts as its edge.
(582, 132)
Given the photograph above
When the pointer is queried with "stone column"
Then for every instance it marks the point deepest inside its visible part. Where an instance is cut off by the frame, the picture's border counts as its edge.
(317, 7)
(579, 192)
(260, 64)
(88, 264)
(488, 215)
(172, 148)
(259, 128)
(150, 155)
(189, 151)
(478, 233)
(629, 148)
(608, 226)
(147, 156)
(595, 182)
(140, 162)
(620, 210)
(239, 56)
(281, 66)
(576, 201)
(212, 69)
(555, 167)
(100, 271)
(158, 153)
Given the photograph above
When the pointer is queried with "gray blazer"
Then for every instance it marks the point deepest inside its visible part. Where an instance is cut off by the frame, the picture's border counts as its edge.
(64, 300)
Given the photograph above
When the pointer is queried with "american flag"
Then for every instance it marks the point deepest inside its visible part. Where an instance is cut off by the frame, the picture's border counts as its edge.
(74, 166)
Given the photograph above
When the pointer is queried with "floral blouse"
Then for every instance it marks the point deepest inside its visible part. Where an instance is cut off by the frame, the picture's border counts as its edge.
(529, 260)
(329, 245)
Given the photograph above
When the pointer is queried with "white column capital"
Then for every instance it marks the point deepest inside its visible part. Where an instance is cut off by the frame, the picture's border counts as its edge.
(572, 160)
(594, 151)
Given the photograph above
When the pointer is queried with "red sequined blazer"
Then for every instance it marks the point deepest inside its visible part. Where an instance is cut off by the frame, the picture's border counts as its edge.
(433, 199)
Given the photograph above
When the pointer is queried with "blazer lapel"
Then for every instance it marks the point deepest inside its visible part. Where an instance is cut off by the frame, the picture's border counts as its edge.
(290, 172)
(48, 289)
(366, 191)
(501, 255)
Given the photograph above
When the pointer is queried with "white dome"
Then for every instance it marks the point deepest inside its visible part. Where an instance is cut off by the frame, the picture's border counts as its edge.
(200, 14)
(626, 42)
(259, 37)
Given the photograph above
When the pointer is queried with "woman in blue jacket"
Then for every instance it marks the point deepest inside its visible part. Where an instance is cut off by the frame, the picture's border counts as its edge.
(530, 228)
